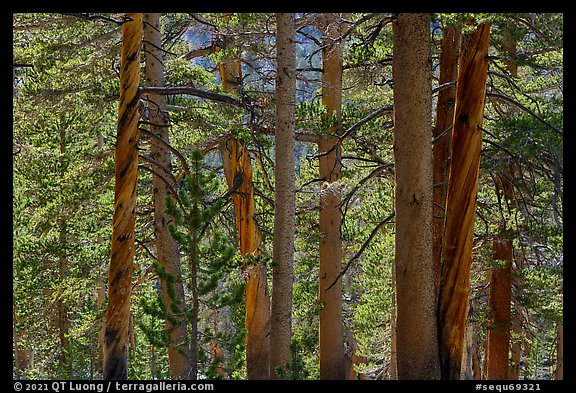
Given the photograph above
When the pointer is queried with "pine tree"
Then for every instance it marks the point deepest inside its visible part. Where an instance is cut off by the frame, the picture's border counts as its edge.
(207, 250)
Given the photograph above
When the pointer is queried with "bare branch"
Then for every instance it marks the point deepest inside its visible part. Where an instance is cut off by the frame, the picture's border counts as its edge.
(209, 95)
(164, 170)
(354, 127)
(169, 147)
(359, 253)
(301, 136)
(524, 108)
(87, 16)
(212, 48)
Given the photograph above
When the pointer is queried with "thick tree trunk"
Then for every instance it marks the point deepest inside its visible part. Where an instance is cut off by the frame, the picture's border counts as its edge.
(238, 171)
(330, 296)
(167, 249)
(330, 218)
(498, 344)
(284, 210)
(126, 169)
(441, 147)
(461, 200)
(416, 334)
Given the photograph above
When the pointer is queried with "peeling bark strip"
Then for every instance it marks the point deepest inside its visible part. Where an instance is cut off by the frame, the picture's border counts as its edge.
(238, 172)
(257, 323)
(126, 169)
(441, 149)
(461, 199)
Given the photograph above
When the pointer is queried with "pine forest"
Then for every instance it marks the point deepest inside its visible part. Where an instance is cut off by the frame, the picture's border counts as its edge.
(287, 196)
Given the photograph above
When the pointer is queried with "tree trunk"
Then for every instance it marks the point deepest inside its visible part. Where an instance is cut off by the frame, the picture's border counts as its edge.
(15, 349)
(441, 146)
(416, 334)
(126, 170)
(330, 296)
(471, 369)
(330, 218)
(509, 43)
(500, 296)
(515, 348)
(461, 200)
(257, 323)
(560, 352)
(22, 356)
(352, 359)
(100, 299)
(238, 169)
(167, 249)
(284, 210)
(231, 74)
(498, 344)
(216, 351)
(193, 266)
(63, 323)
(238, 172)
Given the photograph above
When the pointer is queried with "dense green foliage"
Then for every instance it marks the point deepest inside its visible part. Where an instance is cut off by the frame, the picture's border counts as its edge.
(64, 126)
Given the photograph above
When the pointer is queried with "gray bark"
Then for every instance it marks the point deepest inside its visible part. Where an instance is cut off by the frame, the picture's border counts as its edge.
(283, 248)
(167, 248)
(416, 332)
